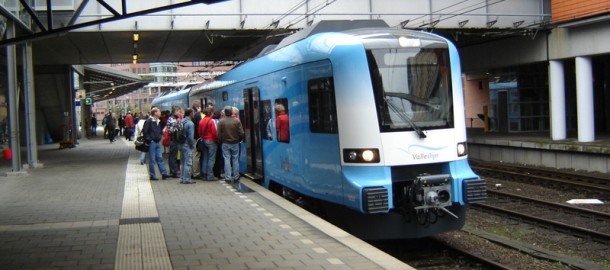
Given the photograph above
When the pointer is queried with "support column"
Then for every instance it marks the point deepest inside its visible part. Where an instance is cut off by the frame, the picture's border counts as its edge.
(13, 102)
(30, 107)
(584, 99)
(557, 100)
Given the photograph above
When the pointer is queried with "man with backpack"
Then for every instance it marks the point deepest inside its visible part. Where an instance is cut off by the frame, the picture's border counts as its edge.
(173, 146)
(185, 136)
(152, 135)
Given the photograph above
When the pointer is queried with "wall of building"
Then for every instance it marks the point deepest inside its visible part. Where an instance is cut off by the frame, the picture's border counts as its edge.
(579, 40)
(565, 10)
(476, 95)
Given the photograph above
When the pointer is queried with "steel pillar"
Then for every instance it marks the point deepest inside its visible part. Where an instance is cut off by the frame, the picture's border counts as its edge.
(584, 99)
(558, 100)
(30, 106)
(13, 102)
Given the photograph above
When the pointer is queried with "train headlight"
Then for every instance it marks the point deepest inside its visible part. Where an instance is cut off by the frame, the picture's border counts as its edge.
(461, 149)
(361, 155)
(368, 155)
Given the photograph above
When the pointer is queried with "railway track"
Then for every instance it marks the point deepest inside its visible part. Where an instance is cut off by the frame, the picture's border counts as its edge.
(434, 253)
(561, 180)
(532, 208)
(588, 224)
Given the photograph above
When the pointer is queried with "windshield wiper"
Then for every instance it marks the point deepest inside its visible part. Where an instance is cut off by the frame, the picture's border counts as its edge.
(405, 117)
(414, 99)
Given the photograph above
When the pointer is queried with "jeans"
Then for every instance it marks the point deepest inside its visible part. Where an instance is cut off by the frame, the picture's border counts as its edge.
(208, 158)
(142, 157)
(186, 161)
(173, 155)
(129, 133)
(154, 156)
(230, 152)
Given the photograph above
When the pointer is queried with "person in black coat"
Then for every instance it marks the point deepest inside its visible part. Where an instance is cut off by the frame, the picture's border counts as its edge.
(152, 134)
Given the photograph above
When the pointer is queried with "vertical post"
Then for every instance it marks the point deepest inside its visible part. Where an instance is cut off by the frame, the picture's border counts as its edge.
(557, 100)
(30, 108)
(584, 99)
(13, 102)
(73, 125)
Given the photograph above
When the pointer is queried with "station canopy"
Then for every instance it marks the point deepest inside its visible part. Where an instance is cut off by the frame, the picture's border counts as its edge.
(102, 83)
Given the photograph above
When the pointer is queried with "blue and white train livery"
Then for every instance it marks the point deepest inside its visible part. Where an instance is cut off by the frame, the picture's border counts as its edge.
(377, 135)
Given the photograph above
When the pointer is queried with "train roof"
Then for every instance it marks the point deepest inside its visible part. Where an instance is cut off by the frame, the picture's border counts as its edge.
(329, 26)
(259, 65)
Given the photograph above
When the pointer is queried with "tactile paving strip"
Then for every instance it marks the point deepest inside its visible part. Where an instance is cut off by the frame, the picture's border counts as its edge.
(141, 243)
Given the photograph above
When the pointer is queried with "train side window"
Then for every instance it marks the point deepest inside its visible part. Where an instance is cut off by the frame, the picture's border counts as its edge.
(322, 105)
(282, 124)
(267, 124)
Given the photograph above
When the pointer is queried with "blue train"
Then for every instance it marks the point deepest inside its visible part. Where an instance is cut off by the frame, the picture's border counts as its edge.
(376, 140)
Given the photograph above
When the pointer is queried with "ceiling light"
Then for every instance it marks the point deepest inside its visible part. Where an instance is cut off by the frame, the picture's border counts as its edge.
(136, 37)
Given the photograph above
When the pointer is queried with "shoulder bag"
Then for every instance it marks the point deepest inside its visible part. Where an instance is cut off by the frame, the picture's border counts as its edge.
(141, 144)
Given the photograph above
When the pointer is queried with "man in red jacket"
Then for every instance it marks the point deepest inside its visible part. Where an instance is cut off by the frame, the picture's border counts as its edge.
(207, 132)
(129, 126)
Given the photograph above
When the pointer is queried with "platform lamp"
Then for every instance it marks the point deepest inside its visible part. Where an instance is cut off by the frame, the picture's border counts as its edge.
(136, 38)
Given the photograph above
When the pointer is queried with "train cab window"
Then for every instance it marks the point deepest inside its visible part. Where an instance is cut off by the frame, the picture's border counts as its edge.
(322, 105)
(267, 124)
(282, 123)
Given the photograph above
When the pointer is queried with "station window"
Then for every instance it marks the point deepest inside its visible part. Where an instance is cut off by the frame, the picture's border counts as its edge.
(322, 105)
(282, 123)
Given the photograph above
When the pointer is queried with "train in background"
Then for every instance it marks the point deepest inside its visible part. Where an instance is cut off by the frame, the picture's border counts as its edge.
(377, 135)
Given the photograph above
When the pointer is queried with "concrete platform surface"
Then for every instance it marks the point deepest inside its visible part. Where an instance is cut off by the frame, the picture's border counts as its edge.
(93, 207)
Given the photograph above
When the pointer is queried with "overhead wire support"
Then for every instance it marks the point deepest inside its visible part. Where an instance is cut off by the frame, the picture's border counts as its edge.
(50, 31)
(33, 14)
(78, 11)
(109, 8)
(49, 15)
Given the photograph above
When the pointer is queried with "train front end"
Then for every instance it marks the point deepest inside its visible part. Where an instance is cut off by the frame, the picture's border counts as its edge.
(404, 161)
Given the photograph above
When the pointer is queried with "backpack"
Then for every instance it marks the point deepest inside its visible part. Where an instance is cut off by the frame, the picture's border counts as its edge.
(166, 139)
(177, 132)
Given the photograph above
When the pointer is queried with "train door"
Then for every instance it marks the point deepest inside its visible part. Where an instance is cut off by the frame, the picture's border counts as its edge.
(251, 122)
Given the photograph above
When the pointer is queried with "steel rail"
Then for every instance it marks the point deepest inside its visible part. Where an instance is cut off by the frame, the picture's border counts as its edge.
(583, 232)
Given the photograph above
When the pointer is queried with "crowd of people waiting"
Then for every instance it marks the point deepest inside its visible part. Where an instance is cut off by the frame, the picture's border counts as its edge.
(210, 147)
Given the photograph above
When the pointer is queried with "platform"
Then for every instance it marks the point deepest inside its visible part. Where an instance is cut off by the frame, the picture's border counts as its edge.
(93, 207)
(538, 149)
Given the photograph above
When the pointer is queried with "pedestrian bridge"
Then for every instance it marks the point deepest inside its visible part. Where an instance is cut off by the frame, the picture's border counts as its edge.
(93, 32)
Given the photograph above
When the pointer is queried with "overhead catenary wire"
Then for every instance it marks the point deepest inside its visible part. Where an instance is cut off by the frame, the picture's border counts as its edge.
(467, 9)
(313, 11)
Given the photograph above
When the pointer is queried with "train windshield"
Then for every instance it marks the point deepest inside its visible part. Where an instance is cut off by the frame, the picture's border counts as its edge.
(412, 87)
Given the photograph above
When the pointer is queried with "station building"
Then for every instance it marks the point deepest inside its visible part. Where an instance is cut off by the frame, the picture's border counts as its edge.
(530, 67)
